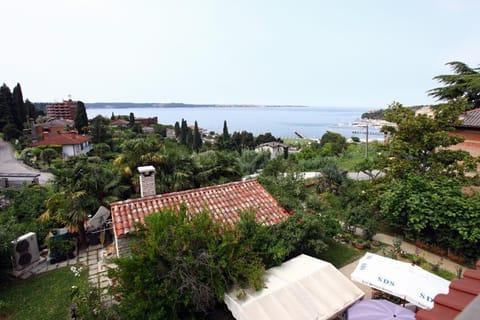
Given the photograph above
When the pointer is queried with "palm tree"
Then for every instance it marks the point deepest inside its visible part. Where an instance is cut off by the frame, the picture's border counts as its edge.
(81, 188)
(67, 208)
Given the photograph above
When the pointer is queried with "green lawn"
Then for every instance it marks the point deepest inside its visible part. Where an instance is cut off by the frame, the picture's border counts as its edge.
(340, 254)
(44, 296)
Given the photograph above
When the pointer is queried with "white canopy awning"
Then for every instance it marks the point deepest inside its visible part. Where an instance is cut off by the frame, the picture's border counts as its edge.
(401, 279)
(301, 288)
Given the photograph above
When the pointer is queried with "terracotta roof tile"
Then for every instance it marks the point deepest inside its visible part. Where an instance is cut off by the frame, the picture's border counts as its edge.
(62, 139)
(222, 201)
(461, 293)
(471, 118)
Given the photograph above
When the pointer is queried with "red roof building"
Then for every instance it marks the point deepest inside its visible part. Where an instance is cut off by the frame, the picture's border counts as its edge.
(470, 131)
(72, 143)
(450, 306)
(223, 202)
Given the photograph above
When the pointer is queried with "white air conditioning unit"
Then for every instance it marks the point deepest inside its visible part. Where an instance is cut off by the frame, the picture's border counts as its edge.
(25, 250)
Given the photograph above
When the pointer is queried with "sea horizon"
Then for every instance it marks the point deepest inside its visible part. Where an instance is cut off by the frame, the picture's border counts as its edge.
(280, 121)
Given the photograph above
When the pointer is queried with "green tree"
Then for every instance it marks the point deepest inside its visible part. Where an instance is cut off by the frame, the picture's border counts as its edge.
(6, 102)
(420, 144)
(81, 119)
(197, 138)
(333, 143)
(331, 178)
(31, 111)
(266, 137)
(181, 265)
(11, 132)
(306, 232)
(224, 141)
(18, 108)
(18, 215)
(137, 152)
(82, 185)
(216, 167)
(464, 83)
(177, 130)
(183, 132)
(131, 120)
(100, 130)
(436, 210)
(243, 141)
(47, 155)
(252, 160)
(101, 149)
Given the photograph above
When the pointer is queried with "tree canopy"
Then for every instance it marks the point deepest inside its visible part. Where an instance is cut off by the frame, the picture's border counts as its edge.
(420, 144)
(81, 119)
(463, 83)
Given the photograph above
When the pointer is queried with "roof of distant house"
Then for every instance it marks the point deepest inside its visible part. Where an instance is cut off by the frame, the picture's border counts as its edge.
(272, 144)
(56, 122)
(62, 139)
(223, 202)
(119, 122)
(471, 119)
(461, 294)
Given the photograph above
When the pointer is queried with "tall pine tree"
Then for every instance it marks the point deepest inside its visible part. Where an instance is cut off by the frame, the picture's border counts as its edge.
(197, 138)
(5, 106)
(81, 119)
(183, 132)
(18, 108)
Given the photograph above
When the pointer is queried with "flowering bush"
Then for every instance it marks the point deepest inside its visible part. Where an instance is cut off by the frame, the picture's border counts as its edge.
(89, 302)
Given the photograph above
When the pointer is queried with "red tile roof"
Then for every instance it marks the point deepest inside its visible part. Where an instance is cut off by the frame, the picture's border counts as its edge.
(62, 139)
(223, 202)
(461, 293)
(471, 119)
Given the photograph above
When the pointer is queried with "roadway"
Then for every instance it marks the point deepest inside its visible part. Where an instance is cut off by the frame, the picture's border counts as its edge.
(9, 164)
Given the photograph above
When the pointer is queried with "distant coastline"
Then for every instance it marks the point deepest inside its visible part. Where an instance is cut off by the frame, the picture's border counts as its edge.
(283, 121)
(134, 105)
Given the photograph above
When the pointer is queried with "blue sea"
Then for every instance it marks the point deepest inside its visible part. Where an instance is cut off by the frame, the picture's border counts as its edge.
(311, 122)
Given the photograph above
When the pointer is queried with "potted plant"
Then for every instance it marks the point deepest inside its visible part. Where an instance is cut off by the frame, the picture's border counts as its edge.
(359, 244)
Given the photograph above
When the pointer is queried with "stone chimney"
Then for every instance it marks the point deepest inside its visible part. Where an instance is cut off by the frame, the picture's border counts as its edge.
(147, 181)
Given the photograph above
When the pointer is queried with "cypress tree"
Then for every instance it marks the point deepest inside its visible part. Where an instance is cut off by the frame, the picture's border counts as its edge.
(197, 138)
(177, 130)
(131, 120)
(30, 110)
(81, 119)
(224, 141)
(226, 135)
(183, 132)
(5, 106)
(189, 139)
(18, 107)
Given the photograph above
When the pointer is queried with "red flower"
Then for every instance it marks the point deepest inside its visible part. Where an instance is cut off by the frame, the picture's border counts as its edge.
(301, 221)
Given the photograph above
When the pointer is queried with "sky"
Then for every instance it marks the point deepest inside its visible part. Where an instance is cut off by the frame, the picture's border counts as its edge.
(267, 52)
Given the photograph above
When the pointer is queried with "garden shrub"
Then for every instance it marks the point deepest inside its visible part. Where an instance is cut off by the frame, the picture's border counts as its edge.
(180, 266)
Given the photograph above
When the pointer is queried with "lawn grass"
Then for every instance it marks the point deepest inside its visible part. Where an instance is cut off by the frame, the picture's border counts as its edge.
(340, 254)
(44, 296)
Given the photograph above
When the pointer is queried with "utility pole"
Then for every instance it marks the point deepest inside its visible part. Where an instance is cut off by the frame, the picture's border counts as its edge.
(366, 142)
(366, 136)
